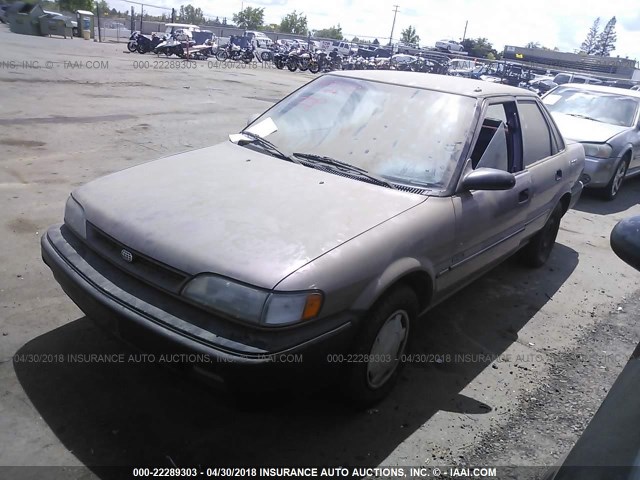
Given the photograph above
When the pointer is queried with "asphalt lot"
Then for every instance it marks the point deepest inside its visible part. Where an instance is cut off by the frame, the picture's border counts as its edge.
(541, 347)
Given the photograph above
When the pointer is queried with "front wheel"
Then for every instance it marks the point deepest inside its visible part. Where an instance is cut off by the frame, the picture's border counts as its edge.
(292, 65)
(613, 187)
(131, 46)
(314, 67)
(222, 55)
(537, 251)
(381, 344)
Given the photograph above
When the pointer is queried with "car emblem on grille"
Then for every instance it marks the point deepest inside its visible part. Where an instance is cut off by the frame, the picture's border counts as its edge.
(126, 255)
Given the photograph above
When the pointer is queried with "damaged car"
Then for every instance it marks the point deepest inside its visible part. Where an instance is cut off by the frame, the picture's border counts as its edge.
(324, 229)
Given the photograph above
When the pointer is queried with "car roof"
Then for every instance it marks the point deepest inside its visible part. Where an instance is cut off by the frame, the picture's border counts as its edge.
(603, 89)
(443, 83)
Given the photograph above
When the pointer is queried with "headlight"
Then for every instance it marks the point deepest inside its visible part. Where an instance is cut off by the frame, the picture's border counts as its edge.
(598, 150)
(74, 217)
(251, 304)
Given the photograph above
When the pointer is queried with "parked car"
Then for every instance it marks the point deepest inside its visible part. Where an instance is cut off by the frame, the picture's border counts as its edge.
(325, 228)
(3, 13)
(185, 29)
(261, 39)
(607, 122)
(449, 45)
(562, 78)
(540, 86)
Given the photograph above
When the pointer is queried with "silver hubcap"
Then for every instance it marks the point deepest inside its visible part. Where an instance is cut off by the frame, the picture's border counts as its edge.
(619, 176)
(387, 348)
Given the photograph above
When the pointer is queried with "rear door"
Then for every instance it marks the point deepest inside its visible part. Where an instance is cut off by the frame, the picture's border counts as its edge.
(544, 159)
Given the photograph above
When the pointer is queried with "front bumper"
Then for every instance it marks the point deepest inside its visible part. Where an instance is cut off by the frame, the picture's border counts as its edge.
(599, 170)
(156, 321)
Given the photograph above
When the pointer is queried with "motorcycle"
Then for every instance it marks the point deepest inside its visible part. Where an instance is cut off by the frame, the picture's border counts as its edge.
(132, 45)
(234, 52)
(145, 45)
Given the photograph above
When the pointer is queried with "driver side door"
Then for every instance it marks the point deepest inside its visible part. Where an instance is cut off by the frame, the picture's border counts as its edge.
(490, 225)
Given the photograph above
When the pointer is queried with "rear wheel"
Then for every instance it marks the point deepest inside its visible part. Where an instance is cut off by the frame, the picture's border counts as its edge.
(380, 344)
(222, 55)
(537, 251)
(292, 65)
(613, 187)
(314, 67)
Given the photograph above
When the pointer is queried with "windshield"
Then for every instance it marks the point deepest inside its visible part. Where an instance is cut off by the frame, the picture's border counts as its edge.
(403, 134)
(603, 107)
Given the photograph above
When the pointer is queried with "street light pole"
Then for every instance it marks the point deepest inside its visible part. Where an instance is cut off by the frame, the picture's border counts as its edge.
(393, 25)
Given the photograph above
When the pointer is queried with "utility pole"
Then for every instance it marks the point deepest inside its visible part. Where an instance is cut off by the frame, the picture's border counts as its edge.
(393, 25)
(464, 35)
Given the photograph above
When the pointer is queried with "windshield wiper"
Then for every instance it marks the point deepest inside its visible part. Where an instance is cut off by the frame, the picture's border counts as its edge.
(267, 145)
(586, 117)
(357, 171)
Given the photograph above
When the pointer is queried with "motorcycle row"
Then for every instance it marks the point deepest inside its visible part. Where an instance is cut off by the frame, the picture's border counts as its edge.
(179, 45)
(293, 56)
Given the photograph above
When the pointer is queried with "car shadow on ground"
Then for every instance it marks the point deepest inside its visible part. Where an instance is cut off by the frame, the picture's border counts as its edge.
(111, 414)
(629, 196)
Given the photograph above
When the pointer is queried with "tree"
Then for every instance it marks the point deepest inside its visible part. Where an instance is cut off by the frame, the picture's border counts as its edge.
(607, 39)
(332, 32)
(190, 14)
(73, 5)
(479, 47)
(272, 27)
(104, 8)
(590, 44)
(294, 22)
(250, 18)
(408, 35)
(375, 42)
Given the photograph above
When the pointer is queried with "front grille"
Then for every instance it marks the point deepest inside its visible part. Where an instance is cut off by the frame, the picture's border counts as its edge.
(141, 266)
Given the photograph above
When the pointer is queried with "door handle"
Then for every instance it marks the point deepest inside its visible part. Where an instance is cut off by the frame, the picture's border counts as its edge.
(559, 175)
(523, 196)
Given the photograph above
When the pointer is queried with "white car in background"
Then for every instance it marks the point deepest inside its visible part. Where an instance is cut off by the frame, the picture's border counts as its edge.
(261, 39)
(449, 45)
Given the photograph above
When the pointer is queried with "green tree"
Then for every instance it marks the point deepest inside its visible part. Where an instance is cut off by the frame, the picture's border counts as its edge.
(272, 27)
(334, 32)
(294, 22)
(190, 14)
(590, 44)
(250, 18)
(479, 47)
(408, 35)
(104, 8)
(607, 39)
(73, 5)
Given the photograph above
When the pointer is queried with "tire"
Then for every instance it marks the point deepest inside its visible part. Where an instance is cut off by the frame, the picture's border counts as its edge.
(613, 187)
(537, 251)
(222, 55)
(131, 46)
(384, 333)
(141, 49)
(279, 64)
(314, 67)
(265, 56)
(292, 65)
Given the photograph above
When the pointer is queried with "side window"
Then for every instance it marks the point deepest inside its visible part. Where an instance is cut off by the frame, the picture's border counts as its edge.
(536, 137)
(579, 80)
(491, 149)
(561, 78)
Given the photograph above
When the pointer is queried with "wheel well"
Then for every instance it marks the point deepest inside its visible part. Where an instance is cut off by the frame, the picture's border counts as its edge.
(627, 155)
(421, 284)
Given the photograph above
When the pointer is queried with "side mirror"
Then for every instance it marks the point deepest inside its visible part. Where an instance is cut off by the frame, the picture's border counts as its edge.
(488, 179)
(625, 241)
(252, 118)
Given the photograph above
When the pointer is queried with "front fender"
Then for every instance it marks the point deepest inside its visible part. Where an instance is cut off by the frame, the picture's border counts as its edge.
(394, 273)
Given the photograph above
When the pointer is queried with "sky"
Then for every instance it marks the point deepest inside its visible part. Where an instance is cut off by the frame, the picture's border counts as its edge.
(552, 23)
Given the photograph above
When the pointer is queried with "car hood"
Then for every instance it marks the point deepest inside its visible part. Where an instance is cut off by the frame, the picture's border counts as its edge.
(230, 210)
(584, 130)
